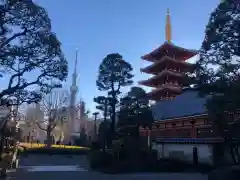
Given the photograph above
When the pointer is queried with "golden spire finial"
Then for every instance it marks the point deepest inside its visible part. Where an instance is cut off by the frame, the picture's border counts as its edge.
(168, 27)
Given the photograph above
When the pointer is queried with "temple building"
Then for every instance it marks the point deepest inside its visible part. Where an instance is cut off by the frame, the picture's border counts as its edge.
(181, 126)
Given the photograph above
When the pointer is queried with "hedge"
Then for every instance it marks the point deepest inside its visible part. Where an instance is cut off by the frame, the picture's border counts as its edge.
(108, 162)
(56, 151)
(39, 145)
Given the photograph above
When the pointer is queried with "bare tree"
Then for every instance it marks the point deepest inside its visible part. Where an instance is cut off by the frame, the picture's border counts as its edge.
(54, 106)
(59, 132)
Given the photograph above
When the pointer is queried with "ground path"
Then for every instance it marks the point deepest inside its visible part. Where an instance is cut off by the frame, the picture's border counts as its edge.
(45, 167)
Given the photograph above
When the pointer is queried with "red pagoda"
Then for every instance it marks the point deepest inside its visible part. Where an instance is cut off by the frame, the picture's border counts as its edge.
(181, 126)
(169, 68)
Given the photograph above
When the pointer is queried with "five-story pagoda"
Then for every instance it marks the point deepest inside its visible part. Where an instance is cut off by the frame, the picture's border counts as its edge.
(169, 67)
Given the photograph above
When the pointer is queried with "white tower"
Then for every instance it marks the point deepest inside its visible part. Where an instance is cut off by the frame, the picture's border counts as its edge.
(73, 91)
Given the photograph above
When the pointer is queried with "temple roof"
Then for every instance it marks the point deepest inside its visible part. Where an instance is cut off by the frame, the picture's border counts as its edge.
(182, 53)
(166, 87)
(156, 66)
(186, 104)
(159, 93)
(155, 78)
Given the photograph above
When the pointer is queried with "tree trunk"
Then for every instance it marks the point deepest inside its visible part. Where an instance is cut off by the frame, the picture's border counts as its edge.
(49, 138)
(113, 120)
(233, 155)
(236, 150)
(238, 153)
(137, 132)
(113, 114)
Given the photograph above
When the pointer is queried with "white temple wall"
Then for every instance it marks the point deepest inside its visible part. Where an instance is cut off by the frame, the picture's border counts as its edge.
(185, 152)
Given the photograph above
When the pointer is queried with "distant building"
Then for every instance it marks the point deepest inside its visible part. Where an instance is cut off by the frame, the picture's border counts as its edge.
(71, 119)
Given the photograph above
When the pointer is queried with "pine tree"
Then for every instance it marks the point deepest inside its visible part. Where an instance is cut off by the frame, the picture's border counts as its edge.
(29, 47)
(114, 73)
(221, 46)
(103, 104)
(217, 72)
(134, 111)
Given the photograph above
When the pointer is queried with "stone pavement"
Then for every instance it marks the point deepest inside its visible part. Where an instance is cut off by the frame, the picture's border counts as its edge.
(53, 168)
(76, 167)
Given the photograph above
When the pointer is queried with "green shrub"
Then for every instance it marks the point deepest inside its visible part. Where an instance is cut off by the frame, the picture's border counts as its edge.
(56, 151)
(100, 159)
(123, 161)
(95, 146)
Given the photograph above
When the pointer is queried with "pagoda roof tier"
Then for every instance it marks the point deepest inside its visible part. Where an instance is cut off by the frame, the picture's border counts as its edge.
(158, 65)
(155, 79)
(159, 93)
(170, 49)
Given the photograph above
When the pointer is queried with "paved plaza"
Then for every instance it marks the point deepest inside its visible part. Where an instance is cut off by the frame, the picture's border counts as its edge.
(76, 167)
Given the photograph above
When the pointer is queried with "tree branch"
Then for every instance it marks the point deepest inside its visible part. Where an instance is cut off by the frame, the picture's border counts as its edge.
(11, 90)
(40, 127)
(53, 126)
(18, 75)
(13, 37)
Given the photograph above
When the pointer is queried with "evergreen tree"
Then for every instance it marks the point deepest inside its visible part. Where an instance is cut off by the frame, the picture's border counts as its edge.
(103, 104)
(114, 73)
(134, 111)
(217, 72)
(28, 45)
(219, 55)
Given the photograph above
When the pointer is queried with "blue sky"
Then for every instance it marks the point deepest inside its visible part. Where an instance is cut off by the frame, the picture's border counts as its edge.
(129, 27)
